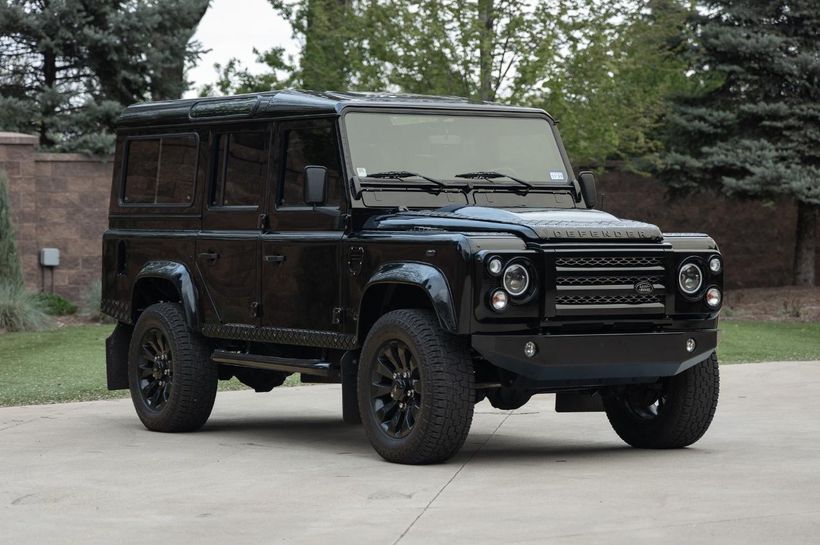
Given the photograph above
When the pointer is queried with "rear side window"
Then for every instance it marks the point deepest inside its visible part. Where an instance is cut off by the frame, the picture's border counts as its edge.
(241, 168)
(160, 170)
(310, 144)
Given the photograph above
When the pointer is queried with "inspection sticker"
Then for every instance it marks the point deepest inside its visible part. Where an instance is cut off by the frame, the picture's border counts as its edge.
(556, 175)
(361, 171)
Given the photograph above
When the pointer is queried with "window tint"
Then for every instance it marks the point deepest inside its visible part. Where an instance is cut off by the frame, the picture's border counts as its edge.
(242, 166)
(160, 170)
(313, 144)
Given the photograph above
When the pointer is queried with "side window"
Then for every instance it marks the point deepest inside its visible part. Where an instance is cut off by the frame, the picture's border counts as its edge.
(160, 170)
(241, 168)
(309, 144)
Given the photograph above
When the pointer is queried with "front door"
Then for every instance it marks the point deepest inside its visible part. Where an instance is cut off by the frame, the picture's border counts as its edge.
(300, 252)
(227, 250)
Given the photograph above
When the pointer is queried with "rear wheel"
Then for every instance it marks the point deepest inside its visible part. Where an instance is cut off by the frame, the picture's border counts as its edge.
(415, 388)
(172, 381)
(672, 413)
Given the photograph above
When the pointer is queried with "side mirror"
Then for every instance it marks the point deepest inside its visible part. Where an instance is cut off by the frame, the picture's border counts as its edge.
(588, 188)
(315, 185)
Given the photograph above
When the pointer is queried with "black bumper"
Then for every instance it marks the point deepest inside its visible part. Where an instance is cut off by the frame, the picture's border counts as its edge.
(605, 356)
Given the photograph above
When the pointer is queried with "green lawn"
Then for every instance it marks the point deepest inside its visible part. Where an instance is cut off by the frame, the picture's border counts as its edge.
(68, 364)
(741, 342)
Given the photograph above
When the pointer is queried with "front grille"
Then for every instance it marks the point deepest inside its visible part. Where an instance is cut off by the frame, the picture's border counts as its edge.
(624, 299)
(565, 280)
(608, 261)
(589, 285)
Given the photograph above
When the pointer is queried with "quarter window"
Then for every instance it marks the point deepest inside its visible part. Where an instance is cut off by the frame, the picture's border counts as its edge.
(241, 168)
(313, 144)
(160, 170)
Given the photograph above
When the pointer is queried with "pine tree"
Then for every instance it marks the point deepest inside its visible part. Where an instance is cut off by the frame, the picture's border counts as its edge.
(10, 271)
(68, 67)
(753, 130)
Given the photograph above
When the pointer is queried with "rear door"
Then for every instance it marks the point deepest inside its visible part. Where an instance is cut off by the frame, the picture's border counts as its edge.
(227, 250)
(301, 283)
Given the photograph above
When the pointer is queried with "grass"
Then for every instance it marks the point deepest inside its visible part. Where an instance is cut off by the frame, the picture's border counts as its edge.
(747, 341)
(68, 364)
(61, 365)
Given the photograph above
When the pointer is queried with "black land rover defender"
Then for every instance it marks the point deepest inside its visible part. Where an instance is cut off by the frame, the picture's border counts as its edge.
(426, 252)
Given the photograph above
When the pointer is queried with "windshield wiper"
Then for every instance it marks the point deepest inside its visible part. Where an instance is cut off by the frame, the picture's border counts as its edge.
(400, 175)
(491, 175)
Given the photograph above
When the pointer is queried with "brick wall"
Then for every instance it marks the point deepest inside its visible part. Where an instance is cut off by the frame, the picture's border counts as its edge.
(61, 201)
(58, 201)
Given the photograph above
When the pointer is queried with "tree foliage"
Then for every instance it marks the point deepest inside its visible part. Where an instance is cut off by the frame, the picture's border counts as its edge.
(753, 127)
(67, 67)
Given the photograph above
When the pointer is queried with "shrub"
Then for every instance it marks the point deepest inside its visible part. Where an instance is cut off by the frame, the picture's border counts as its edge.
(55, 305)
(91, 304)
(10, 270)
(20, 310)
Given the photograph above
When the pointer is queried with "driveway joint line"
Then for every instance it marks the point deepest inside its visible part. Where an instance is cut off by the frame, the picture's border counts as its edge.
(452, 478)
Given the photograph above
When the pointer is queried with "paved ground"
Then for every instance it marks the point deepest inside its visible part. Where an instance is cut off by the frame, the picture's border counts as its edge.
(282, 468)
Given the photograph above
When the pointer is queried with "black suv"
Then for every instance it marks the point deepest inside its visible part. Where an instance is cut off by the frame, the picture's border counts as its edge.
(426, 252)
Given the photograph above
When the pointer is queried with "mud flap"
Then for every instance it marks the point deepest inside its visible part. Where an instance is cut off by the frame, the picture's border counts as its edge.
(116, 357)
(350, 401)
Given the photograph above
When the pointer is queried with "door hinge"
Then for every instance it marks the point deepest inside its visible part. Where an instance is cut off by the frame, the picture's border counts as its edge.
(262, 222)
(337, 315)
(256, 309)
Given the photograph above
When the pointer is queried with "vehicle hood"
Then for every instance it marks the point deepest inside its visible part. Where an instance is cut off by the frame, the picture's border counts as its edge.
(535, 224)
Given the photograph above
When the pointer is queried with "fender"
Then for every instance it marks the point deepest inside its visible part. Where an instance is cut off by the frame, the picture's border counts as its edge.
(180, 277)
(426, 277)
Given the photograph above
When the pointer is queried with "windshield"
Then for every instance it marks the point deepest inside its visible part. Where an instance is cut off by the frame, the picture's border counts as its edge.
(443, 146)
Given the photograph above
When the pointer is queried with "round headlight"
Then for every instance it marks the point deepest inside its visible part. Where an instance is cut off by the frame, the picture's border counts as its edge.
(516, 279)
(713, 297)
(715, 265)
(494, 266)
(499, 300)
(690, 278)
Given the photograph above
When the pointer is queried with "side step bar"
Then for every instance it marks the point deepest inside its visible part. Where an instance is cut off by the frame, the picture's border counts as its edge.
(318, 368)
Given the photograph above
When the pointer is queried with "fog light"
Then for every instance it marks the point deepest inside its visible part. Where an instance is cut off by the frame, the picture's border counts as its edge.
(499, 300)
(530, 349)
(690, 345)
(494, 266)
(713, 297)
(715, 265)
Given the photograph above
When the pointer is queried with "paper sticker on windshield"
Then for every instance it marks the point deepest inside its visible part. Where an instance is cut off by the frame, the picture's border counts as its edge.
(556, 176)
(361, 171)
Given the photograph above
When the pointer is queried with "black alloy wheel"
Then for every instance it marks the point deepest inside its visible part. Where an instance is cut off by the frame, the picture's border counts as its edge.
(395, 389)
(156, 370)
(170, 373)
(415, 388)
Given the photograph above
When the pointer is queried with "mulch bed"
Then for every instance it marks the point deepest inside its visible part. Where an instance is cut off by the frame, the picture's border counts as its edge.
(787, 303)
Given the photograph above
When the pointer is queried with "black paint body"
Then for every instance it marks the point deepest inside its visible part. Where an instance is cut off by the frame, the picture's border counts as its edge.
(310, 281)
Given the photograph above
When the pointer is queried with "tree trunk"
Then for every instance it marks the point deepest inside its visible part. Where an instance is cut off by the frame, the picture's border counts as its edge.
(805, 245)
(485, 49)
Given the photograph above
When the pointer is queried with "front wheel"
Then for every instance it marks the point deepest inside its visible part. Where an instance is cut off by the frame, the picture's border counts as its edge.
(415, 388)
(671, 413)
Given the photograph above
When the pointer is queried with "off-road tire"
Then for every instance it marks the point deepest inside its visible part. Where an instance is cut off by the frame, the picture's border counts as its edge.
(446, 376)
(194, 376)
(691, 400)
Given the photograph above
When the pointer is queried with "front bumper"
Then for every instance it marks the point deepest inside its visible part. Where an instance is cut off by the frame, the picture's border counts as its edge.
(597, 356)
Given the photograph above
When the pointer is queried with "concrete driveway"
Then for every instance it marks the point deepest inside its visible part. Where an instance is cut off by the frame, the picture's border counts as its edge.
(282, 468)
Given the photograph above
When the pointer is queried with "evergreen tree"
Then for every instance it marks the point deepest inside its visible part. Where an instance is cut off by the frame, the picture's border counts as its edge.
(754, 128)
(10, 271)
(67, 67)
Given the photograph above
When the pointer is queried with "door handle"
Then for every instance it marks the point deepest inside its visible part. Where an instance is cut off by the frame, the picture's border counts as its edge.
(275, 259)
(209, 256)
